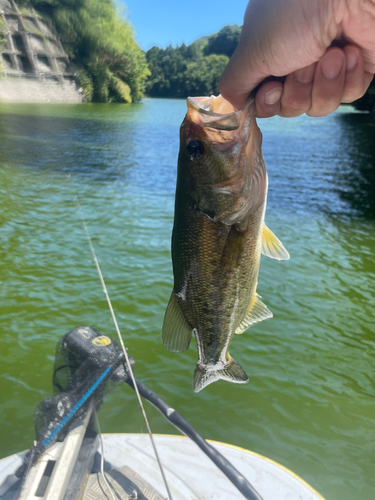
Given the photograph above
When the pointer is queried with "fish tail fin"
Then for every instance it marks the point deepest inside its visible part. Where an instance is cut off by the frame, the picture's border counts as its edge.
(206, 374)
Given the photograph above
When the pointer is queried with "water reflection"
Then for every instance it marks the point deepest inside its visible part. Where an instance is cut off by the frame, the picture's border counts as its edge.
(356, 175)
(80, 146)
(122, 145)
(322, 165)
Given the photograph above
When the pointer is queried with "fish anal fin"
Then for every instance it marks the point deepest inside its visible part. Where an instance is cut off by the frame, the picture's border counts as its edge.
(176, 330)
(272, 246)
(205, 375)
(256, 312)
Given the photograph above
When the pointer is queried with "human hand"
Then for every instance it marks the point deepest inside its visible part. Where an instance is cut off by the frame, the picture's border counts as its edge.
(293, 38)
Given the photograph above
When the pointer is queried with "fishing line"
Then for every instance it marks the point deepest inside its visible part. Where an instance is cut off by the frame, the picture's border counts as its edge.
(119, 337)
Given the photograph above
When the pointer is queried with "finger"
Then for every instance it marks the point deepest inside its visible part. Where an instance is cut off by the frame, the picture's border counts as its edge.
(354, 86)
(296, 98)
(237, 100)
(233, 85)
(328, 83)
(241, 75)
(268, 99)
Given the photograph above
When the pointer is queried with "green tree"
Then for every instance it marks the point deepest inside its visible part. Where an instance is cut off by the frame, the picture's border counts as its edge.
(168, 68)
(183, 71)
(224, 42)
(202, 77)
(191, 69)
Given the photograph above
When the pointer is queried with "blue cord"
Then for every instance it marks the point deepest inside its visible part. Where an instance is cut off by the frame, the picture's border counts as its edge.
(76, 407)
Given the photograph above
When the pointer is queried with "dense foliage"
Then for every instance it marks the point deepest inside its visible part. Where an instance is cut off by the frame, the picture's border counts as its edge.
(224, 42)
(101, 44)
(193, 69)
(367, 102)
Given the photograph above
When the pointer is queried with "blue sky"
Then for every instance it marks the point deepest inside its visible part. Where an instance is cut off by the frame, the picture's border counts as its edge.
(164, 22)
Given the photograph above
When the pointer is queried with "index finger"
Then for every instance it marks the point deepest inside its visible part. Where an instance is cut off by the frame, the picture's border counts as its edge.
(237, 81)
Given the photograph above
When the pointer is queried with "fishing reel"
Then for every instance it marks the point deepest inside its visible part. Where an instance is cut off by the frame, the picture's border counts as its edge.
(85, 352)
(88, 364)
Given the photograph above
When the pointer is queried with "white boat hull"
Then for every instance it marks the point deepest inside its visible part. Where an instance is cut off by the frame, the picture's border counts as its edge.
(190, 474)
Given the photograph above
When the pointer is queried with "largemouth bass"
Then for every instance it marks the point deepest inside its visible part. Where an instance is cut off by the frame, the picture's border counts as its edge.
(218, 236)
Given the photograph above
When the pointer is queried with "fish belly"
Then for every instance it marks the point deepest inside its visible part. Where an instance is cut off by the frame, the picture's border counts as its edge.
(215, 268)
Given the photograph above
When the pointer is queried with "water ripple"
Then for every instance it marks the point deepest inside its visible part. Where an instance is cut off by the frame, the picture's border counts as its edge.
(309, 403)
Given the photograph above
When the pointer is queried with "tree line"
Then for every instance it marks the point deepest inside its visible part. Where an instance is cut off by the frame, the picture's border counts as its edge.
(100, 42)
(195, 69)
(191, 70)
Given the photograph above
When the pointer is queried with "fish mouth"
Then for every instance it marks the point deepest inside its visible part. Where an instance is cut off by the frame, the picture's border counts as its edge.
(218, 113)
(217, 106)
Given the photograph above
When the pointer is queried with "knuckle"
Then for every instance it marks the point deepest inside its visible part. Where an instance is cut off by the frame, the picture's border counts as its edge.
(327, 102)
(322, 109)
(296, 103)
(352, 92)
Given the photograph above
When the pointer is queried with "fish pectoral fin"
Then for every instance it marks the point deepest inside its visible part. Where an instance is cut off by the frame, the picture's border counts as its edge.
(176, 330)
(272, 246)
(205, 375)
(256, 312)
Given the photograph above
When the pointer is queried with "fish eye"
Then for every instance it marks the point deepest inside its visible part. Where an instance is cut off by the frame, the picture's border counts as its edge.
(195, 149)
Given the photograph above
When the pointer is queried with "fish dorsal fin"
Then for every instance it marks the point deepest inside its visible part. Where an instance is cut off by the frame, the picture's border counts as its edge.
(256, 312)
(272, 246)
(176, 330)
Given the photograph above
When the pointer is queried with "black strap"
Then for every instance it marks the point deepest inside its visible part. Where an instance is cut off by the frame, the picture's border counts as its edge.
(234, 476)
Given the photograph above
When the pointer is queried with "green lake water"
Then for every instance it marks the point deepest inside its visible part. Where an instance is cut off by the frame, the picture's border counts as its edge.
(310, 401)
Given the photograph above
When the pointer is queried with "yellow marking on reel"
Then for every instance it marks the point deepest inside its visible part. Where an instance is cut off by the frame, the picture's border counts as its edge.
(101, 341)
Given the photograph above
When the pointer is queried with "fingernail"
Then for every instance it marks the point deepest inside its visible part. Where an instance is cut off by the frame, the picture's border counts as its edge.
(332, 64)
(273, 96)
(351, 58)
(305, 75)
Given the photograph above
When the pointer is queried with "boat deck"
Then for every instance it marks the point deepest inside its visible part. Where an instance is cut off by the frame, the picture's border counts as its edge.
(191, 475)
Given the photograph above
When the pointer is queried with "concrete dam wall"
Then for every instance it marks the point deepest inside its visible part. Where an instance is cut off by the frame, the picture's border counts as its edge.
(34, 66)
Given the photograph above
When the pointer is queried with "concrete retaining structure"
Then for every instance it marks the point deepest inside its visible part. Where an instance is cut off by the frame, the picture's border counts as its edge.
(38, 91)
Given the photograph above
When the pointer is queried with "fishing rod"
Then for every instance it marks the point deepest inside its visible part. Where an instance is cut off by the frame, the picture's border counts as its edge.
(128, 364)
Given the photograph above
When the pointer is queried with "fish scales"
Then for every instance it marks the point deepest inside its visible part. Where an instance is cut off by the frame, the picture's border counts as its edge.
(217, 237)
